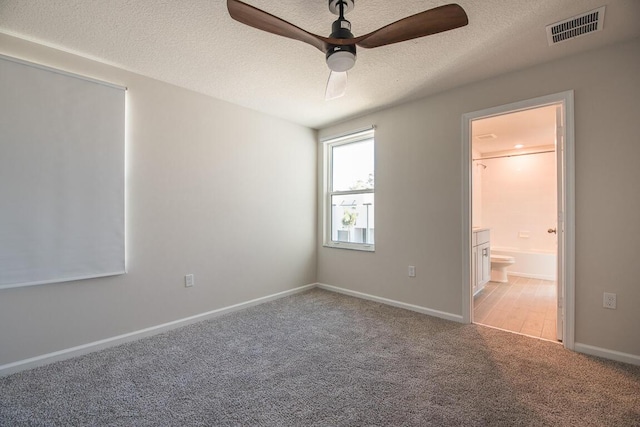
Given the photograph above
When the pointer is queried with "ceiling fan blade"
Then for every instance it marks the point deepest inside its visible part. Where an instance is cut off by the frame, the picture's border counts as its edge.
(432, 21)
(264, 21)
(336, 85)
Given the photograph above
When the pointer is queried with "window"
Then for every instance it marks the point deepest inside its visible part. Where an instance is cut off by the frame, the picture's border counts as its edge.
(62, 164)
(349, 201)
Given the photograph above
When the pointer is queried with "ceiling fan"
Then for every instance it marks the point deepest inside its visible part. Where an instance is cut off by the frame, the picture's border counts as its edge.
(340, 46)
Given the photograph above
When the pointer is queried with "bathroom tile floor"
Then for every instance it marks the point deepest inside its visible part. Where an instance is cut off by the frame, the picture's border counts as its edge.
(526, 306)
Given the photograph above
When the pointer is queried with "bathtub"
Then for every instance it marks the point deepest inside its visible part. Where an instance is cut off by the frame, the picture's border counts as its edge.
(536, 265)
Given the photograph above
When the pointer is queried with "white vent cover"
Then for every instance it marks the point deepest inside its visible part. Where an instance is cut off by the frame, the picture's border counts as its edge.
(577, 26)
(486, 136)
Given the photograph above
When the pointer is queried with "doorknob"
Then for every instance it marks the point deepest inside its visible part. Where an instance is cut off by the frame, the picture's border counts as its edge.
(551, 230)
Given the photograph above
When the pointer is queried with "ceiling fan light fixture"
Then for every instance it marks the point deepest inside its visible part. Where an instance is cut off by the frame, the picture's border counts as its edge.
(341, 60)
(340, 46)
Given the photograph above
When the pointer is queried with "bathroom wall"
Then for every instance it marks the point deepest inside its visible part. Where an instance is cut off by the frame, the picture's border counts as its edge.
(519, 201)
(476, 189)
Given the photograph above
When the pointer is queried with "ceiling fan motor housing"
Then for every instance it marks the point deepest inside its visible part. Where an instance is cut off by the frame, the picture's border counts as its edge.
(341, 58)
(347, 6)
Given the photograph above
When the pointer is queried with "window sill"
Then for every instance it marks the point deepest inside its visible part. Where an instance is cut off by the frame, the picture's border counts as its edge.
(350, 246)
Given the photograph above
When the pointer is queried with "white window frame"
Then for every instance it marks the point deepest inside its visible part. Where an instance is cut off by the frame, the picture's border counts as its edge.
(328, 144)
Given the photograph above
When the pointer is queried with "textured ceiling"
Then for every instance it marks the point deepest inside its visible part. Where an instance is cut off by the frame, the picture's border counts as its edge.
(196, 45)
(530, 128)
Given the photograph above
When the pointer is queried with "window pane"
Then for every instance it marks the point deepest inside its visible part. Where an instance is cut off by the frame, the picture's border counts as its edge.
(352, 218)
(352, 166)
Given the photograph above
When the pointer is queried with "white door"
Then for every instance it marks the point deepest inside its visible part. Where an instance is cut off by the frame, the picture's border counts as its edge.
(560, 129)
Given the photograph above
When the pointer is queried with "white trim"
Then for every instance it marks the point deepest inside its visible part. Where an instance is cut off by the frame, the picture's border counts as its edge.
(467, 286)
(45, 359)
(352, 134)
(566, 99)
(68, 353)
(42, 42)
(607, 354)
(532, 276)
(350, 246)
(394, 303)
(62, 72)
(569, 270)
(62, 280)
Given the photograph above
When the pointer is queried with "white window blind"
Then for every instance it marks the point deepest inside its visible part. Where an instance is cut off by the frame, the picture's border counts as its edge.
(61, 176)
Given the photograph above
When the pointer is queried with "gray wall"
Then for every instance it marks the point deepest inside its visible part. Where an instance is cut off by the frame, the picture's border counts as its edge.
(419, 193)
(212, 189)
(200, 169)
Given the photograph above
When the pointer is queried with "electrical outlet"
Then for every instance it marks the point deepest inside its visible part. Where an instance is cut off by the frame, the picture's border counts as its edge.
(609, 300)
(189, 281)
(411, 271)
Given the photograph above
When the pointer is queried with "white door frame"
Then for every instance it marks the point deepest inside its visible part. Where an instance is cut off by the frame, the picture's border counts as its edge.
(567, 190)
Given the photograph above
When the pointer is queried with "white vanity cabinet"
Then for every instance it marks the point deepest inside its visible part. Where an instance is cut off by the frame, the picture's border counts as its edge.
(480, 258)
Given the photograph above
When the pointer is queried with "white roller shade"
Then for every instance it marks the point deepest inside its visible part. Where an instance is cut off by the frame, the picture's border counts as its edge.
(61, 176)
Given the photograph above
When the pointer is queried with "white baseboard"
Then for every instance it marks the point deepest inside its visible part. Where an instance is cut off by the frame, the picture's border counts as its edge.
(607, 354)
(417, 308)
(68, 353)
(45, 359)
(533, 276)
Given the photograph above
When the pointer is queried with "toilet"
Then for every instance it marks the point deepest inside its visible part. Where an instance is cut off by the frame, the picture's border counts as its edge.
(499, 264)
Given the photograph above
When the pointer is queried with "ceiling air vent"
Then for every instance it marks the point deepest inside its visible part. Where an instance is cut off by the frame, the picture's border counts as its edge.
(577, 26)
(486, 136)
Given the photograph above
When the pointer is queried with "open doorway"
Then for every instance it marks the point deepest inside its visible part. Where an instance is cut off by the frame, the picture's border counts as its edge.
(514, 213)
(519, 181)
